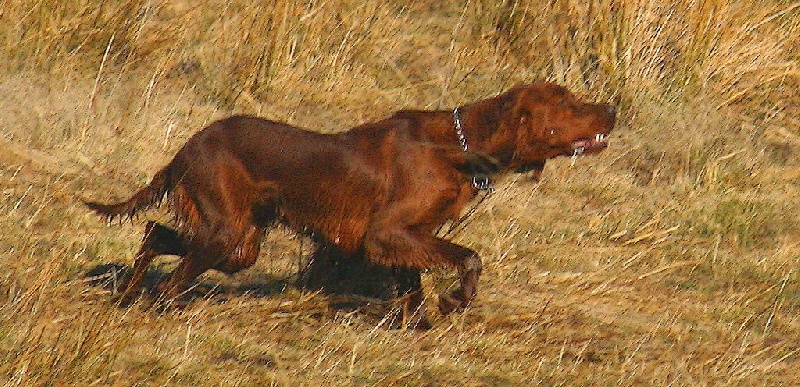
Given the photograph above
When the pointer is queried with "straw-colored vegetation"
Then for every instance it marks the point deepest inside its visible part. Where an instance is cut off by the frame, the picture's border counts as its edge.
(673, 258)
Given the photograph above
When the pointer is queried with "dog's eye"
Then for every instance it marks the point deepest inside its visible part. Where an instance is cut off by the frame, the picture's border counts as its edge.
(552, 132)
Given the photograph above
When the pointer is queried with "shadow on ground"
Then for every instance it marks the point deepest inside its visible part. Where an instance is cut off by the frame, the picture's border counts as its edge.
(349, 283)
(109, 277)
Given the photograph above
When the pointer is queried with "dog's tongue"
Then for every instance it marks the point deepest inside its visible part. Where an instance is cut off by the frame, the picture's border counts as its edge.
(598, 140)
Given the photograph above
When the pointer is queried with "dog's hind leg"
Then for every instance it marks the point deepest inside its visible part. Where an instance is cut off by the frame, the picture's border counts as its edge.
(246, 254)
(158, 240)
(196, 262)
(210, 248)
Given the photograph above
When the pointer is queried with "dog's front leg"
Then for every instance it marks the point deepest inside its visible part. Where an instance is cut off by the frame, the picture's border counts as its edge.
(392, 246)
(469, 270)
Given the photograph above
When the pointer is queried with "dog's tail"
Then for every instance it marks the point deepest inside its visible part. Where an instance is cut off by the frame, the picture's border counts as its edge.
(151, 194)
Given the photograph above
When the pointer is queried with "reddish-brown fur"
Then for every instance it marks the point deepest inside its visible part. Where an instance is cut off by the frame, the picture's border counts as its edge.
(380, 189)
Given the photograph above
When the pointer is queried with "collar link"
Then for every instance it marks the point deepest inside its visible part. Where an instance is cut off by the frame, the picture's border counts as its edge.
(480, 181)
(462, 138)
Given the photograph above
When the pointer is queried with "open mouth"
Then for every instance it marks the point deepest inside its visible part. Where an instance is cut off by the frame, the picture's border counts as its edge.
(590, 145)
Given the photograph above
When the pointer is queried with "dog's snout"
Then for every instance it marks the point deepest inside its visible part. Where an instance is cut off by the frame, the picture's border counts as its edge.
(612, 110)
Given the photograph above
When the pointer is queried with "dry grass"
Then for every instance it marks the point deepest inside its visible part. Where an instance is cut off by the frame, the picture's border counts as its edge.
(670, 259)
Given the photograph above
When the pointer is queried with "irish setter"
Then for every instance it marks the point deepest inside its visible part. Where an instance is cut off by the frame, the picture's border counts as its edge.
(380, 189)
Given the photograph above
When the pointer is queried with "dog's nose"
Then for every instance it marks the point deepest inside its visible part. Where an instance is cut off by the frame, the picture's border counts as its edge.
(612, 110)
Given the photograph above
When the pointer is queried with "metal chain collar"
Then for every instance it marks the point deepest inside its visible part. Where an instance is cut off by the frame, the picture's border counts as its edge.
(480, 181)
(462, 138)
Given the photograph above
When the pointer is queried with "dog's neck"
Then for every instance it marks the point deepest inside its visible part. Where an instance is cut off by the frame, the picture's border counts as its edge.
(480, 180)
(478, 129)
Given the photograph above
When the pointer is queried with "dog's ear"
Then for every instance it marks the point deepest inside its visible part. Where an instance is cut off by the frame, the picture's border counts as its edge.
(470, 162)
(525, 123)
(476, 162)
(514, 108)
(507, 106)
(533, 169)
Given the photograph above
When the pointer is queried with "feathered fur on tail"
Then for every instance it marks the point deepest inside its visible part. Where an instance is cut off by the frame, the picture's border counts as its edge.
(145, 197)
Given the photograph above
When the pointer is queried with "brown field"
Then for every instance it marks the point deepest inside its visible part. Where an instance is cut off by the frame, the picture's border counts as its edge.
(673, 258)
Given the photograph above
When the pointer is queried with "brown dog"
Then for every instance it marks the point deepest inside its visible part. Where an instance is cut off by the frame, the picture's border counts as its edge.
(380, 189)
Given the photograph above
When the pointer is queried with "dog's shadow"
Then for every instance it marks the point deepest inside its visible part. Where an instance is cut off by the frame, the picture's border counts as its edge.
(350, 284)
(110, 277)
(373, 303)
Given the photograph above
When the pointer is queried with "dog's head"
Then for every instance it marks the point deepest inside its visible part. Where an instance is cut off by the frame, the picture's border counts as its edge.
(549, 121)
